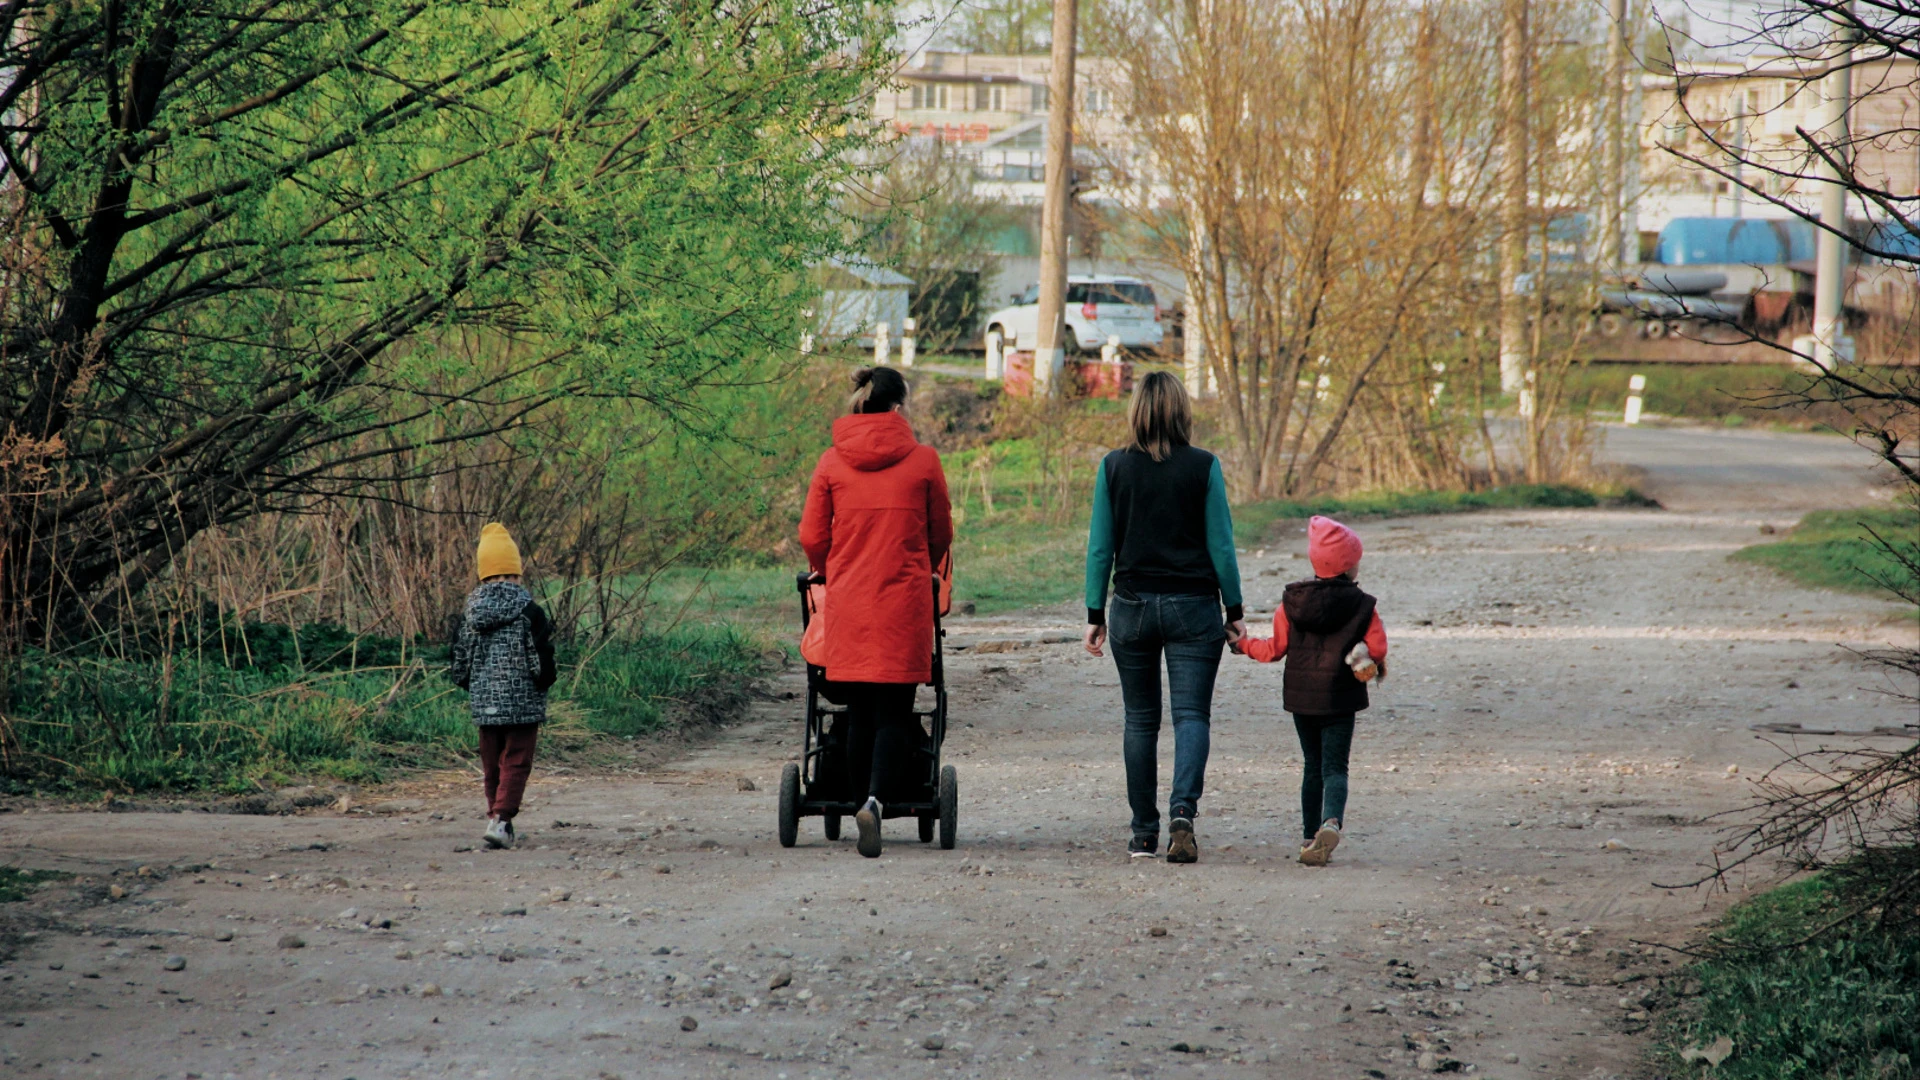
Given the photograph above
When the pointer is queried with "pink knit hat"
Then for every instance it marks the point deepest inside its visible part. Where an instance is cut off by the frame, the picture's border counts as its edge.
(1332, 548)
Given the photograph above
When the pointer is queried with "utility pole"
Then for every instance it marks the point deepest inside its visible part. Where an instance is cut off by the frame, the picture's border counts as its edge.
(1613, 248)
(1513, 195)
(1049, 358)
(1831, 346)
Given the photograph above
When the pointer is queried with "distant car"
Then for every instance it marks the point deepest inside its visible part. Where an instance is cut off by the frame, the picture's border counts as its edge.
(1098, 307)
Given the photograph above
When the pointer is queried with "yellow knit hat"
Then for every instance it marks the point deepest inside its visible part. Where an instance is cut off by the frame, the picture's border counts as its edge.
(498, 554)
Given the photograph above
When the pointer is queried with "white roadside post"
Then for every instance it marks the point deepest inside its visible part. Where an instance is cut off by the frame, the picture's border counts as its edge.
(880, 345)
(1110, 352)
(1634, 386)
(806, 336)
(996, 356)
(907, 344)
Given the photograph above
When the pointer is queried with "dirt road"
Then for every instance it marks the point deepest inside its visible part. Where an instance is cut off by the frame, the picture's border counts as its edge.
(1571, 692)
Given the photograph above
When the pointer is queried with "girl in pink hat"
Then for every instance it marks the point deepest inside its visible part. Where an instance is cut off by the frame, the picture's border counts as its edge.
(1331, 635)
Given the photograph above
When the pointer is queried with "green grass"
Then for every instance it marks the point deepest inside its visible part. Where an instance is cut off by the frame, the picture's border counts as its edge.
(16, 883)
(1840, 1009)
(1020, 559)
(96, 722)
(751, 595)
(1729, 394)
(1833, 549)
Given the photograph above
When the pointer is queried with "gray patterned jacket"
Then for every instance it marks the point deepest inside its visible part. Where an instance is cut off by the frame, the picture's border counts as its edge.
(503, 655)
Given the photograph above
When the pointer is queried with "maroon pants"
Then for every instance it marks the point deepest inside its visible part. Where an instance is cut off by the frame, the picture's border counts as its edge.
(506, 759)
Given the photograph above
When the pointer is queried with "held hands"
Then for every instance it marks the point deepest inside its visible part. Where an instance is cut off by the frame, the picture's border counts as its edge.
(1096, 637)
(1237, 635)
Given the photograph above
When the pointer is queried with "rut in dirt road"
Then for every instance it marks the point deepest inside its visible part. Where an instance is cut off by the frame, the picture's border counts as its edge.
(1571, 692)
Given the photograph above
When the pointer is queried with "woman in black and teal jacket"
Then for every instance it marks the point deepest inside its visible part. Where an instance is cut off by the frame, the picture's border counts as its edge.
(1162, 532)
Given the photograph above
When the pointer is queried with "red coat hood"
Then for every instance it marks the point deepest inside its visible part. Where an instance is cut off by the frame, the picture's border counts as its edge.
(873, 441)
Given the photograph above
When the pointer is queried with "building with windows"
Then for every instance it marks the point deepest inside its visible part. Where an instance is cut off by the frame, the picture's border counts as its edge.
(993, 109)
(1754, 110)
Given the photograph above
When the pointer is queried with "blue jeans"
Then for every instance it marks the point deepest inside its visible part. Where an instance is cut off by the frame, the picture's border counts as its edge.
(1189, 631)
(1325, 742)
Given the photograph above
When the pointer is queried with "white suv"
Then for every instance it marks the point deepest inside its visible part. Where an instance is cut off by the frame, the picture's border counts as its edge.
(1098, 306)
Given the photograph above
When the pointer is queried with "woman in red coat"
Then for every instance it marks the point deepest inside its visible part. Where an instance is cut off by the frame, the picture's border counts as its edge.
(877, 521)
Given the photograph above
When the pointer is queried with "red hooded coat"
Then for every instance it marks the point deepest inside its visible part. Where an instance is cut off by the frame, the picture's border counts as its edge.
(876, 522)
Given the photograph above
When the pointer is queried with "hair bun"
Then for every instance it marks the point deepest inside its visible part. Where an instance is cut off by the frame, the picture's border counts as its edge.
(862, 377)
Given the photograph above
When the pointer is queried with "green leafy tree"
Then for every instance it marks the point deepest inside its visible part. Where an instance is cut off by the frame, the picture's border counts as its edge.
(246, 246)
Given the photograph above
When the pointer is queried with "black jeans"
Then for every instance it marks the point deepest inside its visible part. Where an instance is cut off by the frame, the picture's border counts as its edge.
(882, 738)
(1188, 631)
(1325, 742)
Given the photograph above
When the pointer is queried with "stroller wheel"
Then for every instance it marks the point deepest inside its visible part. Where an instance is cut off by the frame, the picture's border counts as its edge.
(789, 804)
(949, 806)
(830, 824)
(927, 822)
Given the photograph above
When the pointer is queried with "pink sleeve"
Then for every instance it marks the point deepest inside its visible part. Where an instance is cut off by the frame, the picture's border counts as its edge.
(1267, 650)
(1376, 638)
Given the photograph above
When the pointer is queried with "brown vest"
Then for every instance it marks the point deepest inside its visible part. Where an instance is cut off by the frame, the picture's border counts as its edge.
(1326, 618)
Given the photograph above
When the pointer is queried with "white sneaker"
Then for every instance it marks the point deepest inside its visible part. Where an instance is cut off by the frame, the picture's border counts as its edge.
(499, 833)
(868, 819)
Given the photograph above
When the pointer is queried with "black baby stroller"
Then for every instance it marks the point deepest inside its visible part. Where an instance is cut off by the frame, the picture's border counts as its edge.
(819, 783)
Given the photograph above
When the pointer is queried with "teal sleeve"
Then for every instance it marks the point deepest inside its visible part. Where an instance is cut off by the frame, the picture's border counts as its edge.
(1226, 566)
(1099, 550)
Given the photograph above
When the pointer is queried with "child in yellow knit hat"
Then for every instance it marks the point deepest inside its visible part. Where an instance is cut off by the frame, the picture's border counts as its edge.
(503, 658)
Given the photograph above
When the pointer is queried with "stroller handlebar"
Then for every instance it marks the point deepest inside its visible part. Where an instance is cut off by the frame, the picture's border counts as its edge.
(807, 580)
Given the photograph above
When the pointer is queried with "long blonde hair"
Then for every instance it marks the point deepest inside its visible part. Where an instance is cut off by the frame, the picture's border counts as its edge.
(1160, 416)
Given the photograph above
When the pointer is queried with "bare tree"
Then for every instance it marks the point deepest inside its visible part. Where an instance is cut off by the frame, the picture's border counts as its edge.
(1322, 247)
